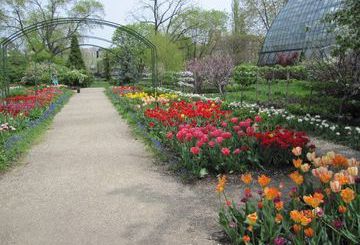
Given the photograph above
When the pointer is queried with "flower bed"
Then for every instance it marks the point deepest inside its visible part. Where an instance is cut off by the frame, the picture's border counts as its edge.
(208, 138)
(21, 113)
(346, 135)
(322, 207)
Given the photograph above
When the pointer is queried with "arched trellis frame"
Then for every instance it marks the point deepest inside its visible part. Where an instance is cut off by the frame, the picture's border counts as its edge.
(63, 21)
(87, 45)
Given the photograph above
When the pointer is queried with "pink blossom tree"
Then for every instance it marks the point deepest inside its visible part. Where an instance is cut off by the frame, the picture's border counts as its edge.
(214, 69)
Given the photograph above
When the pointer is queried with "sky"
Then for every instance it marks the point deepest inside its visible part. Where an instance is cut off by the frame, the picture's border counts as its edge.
(119, 11)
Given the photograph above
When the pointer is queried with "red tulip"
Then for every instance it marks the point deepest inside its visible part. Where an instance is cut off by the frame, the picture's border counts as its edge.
(225, 151)
(195, 150)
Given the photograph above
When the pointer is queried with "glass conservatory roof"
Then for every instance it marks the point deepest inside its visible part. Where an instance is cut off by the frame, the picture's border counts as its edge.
(299, 27)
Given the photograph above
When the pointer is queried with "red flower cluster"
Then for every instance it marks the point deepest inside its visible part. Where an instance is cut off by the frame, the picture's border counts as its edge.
(212, 136)
(121, 90)
(24, 104)
(179, 112)
(283, 138)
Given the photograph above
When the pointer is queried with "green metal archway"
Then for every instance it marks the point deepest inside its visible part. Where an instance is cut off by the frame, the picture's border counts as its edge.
(63, 21)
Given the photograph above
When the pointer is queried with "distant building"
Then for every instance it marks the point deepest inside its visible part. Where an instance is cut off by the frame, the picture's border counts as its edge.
(91, 58)
(299, 30)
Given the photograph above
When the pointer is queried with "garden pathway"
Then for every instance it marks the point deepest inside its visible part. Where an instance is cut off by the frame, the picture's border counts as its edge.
(91, 182)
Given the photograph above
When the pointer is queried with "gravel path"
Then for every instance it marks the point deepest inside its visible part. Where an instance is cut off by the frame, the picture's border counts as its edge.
(324, 146)
(91, 182)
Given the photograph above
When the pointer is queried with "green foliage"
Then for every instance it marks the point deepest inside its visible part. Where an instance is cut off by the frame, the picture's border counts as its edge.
(41, 73)
(107, 67)
(38, 73)
(16, 66)
(245, 75)
(75, 78)
(202, 27)
(19, 91)
(49, 39)
(347, 20)
(170, 58)
(129, 55)
(75, 60)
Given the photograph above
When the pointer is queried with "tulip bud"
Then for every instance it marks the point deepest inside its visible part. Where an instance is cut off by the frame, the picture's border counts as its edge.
(353, 171)
(335, 186)
(305, 167)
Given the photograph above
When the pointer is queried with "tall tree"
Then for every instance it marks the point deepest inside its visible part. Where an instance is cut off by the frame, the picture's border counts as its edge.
(75, 60)
(347, 20)
(238, 18)
(17, 14)
(261, 13)
(203, 27)
(107, 67)
(160, 13)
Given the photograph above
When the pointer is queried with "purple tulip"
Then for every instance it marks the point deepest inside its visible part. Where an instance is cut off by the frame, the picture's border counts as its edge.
(280, 241)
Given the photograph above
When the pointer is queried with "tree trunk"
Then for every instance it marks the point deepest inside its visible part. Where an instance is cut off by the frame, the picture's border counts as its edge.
(220, 89)
(287, 86)
(310, 97)
(257, 88)
(341, 107)
(241, 96)
(269, 90)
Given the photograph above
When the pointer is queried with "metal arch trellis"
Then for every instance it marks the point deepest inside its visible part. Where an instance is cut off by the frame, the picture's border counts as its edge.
(88, 45)
(87, 37)
(63, 21)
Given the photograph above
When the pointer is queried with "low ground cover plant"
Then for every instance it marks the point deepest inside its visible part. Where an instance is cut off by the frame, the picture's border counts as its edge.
(321, 208)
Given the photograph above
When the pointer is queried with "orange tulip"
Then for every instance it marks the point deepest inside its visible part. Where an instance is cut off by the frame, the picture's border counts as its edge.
(221, 184)
(323, 174)
(279, 205)
(300, 217)
(297, 163)
(342, 178)
(246, 178)
(313, 201)
(297, 177)
(252, 218)
(297, 228)
(342, 209)
(347, 195)
(278, 218)
(246, 239)
(340, 161)
(263, 180)
(309, 232)
(271, 193)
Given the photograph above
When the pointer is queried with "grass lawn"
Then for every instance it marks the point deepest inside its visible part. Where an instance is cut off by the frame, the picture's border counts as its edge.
(100, 84)
(300, 98)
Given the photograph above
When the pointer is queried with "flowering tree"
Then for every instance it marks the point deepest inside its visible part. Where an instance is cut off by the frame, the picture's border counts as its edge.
(215, 69)
(197, 68)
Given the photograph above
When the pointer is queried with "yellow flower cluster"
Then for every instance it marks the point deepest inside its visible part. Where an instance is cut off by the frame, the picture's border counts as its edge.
(162, 98)
(148, 99)
(137, 95)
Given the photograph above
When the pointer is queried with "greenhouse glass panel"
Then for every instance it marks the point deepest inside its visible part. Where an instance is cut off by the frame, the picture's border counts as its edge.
(299, 28)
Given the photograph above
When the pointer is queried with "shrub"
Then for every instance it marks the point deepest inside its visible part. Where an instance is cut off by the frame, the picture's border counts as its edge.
(38, 73)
